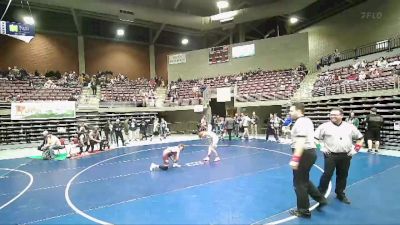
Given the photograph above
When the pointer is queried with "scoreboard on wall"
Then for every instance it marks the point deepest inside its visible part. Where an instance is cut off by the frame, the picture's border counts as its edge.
(218, 54)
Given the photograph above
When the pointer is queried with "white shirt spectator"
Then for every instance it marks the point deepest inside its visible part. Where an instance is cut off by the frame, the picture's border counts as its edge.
(246, 121)
(362, 76)
(382, 63)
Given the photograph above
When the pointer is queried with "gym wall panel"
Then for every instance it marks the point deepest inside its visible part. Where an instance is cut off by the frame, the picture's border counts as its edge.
(273, 53)
(120, 57)
(162, 61)
(45, 52)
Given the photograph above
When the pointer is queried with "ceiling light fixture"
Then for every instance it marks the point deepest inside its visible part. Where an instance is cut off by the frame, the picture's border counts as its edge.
(293, 20)
(185, 41)
(29, 20)
(222, 4)
(120, 32)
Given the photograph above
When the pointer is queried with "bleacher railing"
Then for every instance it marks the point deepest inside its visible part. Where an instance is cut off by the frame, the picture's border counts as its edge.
(375, 47)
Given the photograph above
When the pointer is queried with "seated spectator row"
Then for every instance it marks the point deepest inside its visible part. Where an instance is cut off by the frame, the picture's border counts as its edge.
(139, 91)
(382, 83)
(251, 86)
(24, 90)
(362, 76)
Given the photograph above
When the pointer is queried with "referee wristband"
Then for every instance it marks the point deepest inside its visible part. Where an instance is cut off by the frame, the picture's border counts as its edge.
(357, 147)
(295, 158)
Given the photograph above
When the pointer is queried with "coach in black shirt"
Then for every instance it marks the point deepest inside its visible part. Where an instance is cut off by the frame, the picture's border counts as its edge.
(374, 124)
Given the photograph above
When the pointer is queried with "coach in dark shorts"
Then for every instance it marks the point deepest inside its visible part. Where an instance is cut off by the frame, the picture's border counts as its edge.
(304, 157)
(374, 124)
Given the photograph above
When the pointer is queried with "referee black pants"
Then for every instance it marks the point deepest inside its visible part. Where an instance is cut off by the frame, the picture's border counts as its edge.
(340, 162)
(301, 181)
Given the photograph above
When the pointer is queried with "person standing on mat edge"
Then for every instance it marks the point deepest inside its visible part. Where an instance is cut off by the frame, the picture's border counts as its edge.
(353, 120)
(335, 139)
(172, 153)
(303, 158)
(213, 145)
(254, 125)
(246, 123)
(374, 124)
(229, 125)
(117, 128)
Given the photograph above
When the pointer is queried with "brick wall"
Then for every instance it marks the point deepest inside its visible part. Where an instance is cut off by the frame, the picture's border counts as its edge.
(126, 58)
(161, 55)
(44, 53)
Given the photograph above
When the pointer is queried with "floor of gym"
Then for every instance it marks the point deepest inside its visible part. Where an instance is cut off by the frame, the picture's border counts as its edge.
(252, 184)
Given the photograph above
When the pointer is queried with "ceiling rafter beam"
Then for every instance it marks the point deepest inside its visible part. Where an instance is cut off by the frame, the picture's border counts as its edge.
(176, 5)
(77, 22)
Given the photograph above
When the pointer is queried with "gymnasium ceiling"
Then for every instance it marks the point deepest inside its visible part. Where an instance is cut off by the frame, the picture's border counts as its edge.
(165, 22)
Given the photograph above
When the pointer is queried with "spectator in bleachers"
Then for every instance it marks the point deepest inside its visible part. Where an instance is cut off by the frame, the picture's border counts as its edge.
(72, 98)
(93, 85)
(353, 75)
(336, 55)
(360, 65)
(362, 75)
(375, 74)
(48, 84)
(19, 98)
(382, 63)
(14, 73)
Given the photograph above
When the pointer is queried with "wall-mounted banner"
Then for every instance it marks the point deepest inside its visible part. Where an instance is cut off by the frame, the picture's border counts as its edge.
(42, 110)
(198, 108)
(23, 32)
(177, 59)
(224, 94)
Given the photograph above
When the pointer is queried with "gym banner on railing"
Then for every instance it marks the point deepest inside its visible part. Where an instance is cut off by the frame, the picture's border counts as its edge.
(20, 31)
(42, 110)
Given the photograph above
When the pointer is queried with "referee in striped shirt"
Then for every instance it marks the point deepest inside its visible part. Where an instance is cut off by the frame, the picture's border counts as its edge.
(304, 157)
(337, 138)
